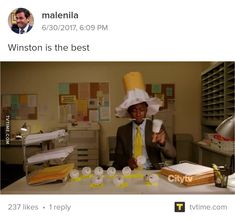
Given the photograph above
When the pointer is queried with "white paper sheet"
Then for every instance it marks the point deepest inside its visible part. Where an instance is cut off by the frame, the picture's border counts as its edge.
(37, 138)
(58, 153)
(190, 169)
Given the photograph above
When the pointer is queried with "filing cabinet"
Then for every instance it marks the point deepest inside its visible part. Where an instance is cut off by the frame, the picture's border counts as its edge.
(85, 138)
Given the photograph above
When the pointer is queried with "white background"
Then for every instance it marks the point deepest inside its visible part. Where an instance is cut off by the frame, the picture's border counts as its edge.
(119, 207)
(166, 30)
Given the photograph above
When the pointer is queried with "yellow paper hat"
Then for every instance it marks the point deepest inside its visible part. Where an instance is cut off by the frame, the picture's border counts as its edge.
(135, 94)
(133, 80)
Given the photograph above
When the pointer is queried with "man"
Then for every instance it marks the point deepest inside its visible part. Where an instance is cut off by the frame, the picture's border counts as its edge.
(138, 105)
(22, 25)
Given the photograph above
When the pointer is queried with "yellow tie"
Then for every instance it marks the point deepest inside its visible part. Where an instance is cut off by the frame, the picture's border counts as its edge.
(138, 143)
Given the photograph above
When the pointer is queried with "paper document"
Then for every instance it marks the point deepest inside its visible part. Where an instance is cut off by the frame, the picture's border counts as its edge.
(190, 169)
(58, 153)
(50, 174)
(37, 138)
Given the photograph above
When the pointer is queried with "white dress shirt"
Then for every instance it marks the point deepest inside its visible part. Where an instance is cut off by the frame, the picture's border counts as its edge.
(25, 29)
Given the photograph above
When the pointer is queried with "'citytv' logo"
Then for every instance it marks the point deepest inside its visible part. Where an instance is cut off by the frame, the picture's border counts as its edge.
(179, 206)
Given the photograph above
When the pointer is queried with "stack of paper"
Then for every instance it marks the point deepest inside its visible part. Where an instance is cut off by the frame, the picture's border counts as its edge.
(190, 169)
(38, 138)
(189, 174)
(50, 174)
(57, 153)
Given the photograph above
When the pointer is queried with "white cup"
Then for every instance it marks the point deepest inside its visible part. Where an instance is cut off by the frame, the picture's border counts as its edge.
(97, 179)
(111, 171)
(146, 177)
(126, 171)
(118, 180)
(157, 124)
(86, 171)
(153, 178)
(98, 171)
(74, 173)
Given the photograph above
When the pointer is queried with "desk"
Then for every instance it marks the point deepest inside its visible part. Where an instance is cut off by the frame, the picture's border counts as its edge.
(12, 153)
(12, 160)
(135, 186)
(208, 155)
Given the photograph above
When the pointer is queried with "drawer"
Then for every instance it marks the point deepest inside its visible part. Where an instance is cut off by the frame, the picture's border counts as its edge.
(85, 146)
(91, 163)
(82, 157)
(84, 141)
(87, 157)
(84, 154)
(87, 151)
(83, 136)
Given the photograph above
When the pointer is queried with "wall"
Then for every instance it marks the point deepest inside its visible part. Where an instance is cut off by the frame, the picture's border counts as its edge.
(42, 78)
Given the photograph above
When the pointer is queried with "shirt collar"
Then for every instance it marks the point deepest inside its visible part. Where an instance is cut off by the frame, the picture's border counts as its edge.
(25, 29)
(142, 125)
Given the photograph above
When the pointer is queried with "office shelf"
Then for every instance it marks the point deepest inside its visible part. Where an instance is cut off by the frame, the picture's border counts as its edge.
(46, 157)
(217, 83)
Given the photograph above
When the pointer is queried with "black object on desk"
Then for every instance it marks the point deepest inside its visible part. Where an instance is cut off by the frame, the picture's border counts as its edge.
(10, 173)
(3, 132)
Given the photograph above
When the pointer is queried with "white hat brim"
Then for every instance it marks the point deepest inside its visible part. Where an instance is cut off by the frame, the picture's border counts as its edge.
(137, 96)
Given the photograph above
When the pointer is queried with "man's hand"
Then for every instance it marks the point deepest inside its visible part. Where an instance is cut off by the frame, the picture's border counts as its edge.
(132, 163)
(159, 137)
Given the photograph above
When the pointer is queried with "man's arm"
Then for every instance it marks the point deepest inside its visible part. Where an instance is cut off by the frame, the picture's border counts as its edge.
(168, 150)
(120, 159)
(161, 140)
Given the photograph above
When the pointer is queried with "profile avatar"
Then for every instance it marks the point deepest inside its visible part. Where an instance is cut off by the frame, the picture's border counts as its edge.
(21, 21)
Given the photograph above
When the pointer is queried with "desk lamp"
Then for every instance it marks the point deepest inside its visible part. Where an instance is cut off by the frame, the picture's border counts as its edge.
(226, 128)
(26, 128)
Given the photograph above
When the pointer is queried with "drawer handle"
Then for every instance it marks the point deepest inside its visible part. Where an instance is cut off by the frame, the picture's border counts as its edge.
(82, 149)
(82, 154)
(82, 160)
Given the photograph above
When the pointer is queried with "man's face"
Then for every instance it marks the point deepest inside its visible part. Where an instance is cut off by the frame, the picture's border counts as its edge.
(21, 20)
(138, 112)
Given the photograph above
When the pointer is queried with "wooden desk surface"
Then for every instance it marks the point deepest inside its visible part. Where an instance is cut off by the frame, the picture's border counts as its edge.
(135, 186)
